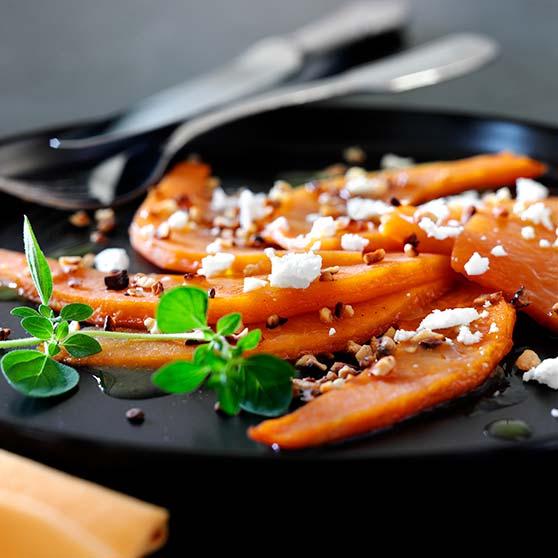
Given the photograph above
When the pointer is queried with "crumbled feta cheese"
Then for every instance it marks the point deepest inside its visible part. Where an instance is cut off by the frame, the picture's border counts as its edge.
(361, 209)
(216, 264)
(294, 270)
(487, 304)
(178, 220)
(279, 190)
(221, 202)
(323, 227)
(438, 232)
(545, 373)
(544, 243)
(311, 217)
(147, 231)
(477, 265)
(215, 246)
(358, 182)
(466, 337)
(501, 194)
(554, 413)
(354, 242)
(439, 208)
(529, 190)
(316, 246)
(539, 214)
(442, 319)
(252, 207)
(392, 161)
(498, 251)
(402, 335)
(484, 314)
(112, 259)
(528, 233)
(253, 283)
(332, 331)
(493, 328)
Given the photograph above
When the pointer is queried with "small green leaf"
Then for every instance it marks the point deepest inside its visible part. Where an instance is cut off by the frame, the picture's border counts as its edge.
(62, 330)
(24, 312)
(37, 375)
(81, 345)
(53, 349)
(38, 264)
(182, 309)
(38, 326)
(46, 311)
(228, 324)
(267, 386)
(250, 341)
(180, 377)
(229, 391)
(76, 312)
(200, 353)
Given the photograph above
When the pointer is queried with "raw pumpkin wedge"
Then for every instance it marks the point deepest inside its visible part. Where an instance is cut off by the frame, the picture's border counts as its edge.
(429, 181)
(419, 381)
(526, 264)
(301, 334)
(352, 284)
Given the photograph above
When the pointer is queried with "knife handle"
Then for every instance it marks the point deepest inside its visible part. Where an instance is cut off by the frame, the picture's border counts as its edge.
(350, 23)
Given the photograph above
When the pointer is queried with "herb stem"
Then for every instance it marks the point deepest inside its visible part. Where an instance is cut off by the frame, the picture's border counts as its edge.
(27, 342)
(142, 336)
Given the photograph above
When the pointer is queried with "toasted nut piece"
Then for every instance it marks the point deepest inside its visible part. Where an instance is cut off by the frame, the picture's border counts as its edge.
(106, 220)
(468, 212)
(144, 281)
(326, 315)
(4, 333)
(158, 288)
(337, 383)
(88, 260)
(554, 308)
(80, 219)
(151, 325)
(428, 338)
(390, 332)
(386, 346)
(383, 367)
(347, 371)
(500, 212)
(527, 359)
(336, 366)
(331, 376)
(310, 361)
(274, 321)
(365, 356)
(354, 155)
(327, 273)
(326, 386)
(167, 206)
(374, 257)
(97, 237)
(348, 311)
(519, 299)
(250, 269)
(410, 250)
(353, 347)
(163, 230)
(69, 263)
(491, 297)
(412, 239)
(211, 293)
(135, 292)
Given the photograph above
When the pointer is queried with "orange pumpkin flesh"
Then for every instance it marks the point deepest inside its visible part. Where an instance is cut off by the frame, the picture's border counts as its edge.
(419, 381)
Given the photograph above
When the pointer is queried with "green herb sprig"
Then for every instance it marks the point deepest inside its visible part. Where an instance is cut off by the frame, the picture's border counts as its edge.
(259, 384)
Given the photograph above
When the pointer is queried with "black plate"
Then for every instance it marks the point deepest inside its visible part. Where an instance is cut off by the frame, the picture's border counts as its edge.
(88, 430)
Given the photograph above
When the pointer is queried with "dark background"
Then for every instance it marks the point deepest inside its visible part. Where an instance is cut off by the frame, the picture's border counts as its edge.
(66, 59)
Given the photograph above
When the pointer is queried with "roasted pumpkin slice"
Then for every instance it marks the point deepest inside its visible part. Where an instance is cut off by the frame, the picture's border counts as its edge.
(300, 335)
(351, 284)
(421, 379)
(526, 265)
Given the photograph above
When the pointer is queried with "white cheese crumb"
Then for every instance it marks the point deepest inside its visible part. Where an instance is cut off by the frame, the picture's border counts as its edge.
(433, 230)
(253, 283)
(466, 337)
(529, 190)
(112, 259)
(439, 208)
(477, 265)
(361, 209)
(178, 220)
(442, 319)
(543, 243)
(484, 314)
(354, 242)
(487, 304)
(528, 233)
(252, 207)
(215, 246)
(323, 227)
(403, 335)
(493, 328)
(498, 251)
(220, 201)
(539, 214)
(545, 372)
(216, 264)
(147, 231)
(294, 270)
(554, 413)
(332, 331)
(358, 182)
(393, 161)
(316, 246)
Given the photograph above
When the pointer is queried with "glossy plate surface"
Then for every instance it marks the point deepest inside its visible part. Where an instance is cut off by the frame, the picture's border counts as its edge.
(88, 429)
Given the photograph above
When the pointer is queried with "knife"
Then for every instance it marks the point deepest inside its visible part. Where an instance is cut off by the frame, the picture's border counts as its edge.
(265, 64)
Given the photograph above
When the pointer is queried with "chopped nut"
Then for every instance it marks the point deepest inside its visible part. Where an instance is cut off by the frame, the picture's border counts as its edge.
(492, 298)
(348, 311)
(527, 359)
(80, 219)
(410, 250)
(4, 333)
(97, 237)
(468, 212)
(74, 326)
(337, 383)
(135, 292)
(336, 366)
(108, 324)
(386, 346)
(383, 367)
(500, 212)
(151, 325)
(326, 316)
(428, 339)
(394, 201)
(327, 273)
(413, 240)
(346, 371)
(75, 283)
(117, 281)
(554, 308)
(374, 257)
(518, 299)
(211, 292)
(390, 332)
(250, 269)
(69, 263)
(365, 356)
(353, 347)
(326, 386)
(310, 361)
(143, 281)
(275, 321)
(163, 230)
(196, 214)
(106, 220)
(331, 376)
(135, 416)
(88, 260)
(158, 288)
(354, 155)
(188, 276)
